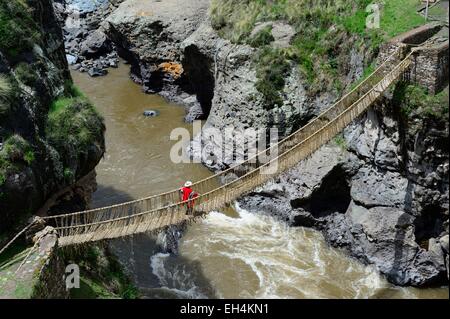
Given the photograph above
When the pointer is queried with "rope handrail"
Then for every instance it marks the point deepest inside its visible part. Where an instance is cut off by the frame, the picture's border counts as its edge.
(392, 74)
(246, 162)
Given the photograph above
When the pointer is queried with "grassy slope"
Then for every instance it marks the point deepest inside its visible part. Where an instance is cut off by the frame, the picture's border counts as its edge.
(417, 103)
(322, 42)
(102, 276)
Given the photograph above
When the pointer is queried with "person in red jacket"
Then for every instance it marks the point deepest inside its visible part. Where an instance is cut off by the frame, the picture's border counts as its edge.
(188, 197)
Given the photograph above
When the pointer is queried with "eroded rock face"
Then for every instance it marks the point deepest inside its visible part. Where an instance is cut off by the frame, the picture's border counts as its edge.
(33, 168)
(220, 75)
(88, 49)
(395, 194)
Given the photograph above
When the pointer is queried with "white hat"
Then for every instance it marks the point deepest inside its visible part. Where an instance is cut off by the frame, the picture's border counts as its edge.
(188, 184)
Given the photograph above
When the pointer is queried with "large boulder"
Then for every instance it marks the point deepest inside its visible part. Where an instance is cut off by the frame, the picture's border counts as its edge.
(372, 187)
(95, 44)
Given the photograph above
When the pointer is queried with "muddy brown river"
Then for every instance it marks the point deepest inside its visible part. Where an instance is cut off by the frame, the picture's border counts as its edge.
(237, 254)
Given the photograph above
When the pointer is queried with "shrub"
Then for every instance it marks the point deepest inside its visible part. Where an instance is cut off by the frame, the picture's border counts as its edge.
(340, 141)
(69, 175)
(25, 73)
(72, 125)
(5, 94)
(326, 31)
(18, 30)
(271, 71)
(417, 101)
(16, 152)
(2, 178)
(72, 90)
(29, 157)
(16, 149)
(5, 87)
(263, 37)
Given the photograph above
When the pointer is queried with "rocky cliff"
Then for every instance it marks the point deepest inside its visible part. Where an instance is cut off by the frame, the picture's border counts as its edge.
(380, 192)
(50, 135)
(177, 51)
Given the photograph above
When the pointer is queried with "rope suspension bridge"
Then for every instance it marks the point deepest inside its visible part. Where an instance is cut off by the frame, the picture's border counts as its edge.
(157, 212)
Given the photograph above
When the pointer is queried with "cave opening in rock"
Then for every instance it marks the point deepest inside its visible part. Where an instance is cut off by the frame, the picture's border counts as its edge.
(428, 225)
(200, 79)
(333, 195)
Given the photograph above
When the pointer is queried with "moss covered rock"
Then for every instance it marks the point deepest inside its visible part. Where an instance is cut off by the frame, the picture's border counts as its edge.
(46, 127)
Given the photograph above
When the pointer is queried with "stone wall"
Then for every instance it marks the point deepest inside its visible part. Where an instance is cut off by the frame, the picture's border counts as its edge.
(430, 68)
(430, 63)
(418, 35)
(49, 272)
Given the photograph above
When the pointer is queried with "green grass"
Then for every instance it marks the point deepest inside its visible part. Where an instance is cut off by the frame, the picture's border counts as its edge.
(5, 87)
(400, 16)
(26, 74)
(69, 175)
(73, 124)
(5, 94)
(339, 140)
(263, 37)
(272, 69)
(416, 101)
(16, 153)
(18, 31)
(102, 274)
(29, 157)
(326, 31)
(61, 104)
(75, 91)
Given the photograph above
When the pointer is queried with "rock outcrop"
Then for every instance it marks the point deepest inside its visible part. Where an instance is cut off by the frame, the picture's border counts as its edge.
(149, 35)
(219, 79)
(88, 49)
(40, 152)
(382, 196)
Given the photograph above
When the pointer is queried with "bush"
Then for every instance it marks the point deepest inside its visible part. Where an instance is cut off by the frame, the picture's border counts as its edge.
(69, 175)
(271, 71)
(5, 94)
(25, 73)
(2, 178)
(73, 124)
(16, 149)
(5, 87)
(417, 101)
(263, 37)
(103, 275)
(326, 31)
(18, 30)
(340, 141)
(16, 152)
(72, 90)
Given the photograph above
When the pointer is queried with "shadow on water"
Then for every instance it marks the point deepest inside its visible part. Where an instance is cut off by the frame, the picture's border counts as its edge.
(156, 272)
(159, 274)
(108, 195)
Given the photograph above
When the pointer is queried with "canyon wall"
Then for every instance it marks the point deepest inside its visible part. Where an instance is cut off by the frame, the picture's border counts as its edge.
(50, 135)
